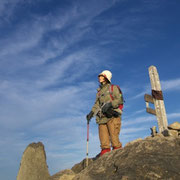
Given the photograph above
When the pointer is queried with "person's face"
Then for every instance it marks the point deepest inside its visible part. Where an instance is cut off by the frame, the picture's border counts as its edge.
(101, 79)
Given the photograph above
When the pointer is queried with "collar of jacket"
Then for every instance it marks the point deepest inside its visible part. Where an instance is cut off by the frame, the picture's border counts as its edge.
(103, 85)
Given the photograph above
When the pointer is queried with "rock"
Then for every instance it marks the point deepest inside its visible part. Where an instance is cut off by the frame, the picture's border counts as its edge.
(174, 126)
(132, 142)
(174, 129)
(153, 158)
(33, 164)
(67, 174)
(77, 168)
(66, 177)
(173, 132)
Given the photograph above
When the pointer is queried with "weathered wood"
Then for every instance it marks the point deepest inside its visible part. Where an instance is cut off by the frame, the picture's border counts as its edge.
(148, 98)
(159, 104)
(151, 111)
(147, 104)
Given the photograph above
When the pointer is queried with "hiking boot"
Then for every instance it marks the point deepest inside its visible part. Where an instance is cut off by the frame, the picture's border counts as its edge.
(103, 151)
(98, 155)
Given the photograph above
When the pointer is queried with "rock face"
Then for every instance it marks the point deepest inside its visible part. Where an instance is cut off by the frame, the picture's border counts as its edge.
(67, 174)
(151, 159)
(33, 164)
(77, 168)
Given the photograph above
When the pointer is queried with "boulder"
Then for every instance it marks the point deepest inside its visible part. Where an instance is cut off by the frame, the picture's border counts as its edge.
(33, 164)
(174, 129)
(174, 126)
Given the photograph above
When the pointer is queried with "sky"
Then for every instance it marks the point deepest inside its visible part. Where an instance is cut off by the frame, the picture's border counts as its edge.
(51, 53)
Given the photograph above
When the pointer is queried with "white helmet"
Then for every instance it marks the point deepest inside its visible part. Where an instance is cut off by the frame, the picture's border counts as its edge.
(107, 74)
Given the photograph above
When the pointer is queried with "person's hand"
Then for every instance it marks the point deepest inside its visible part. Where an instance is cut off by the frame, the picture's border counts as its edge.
(106, 107)
(89, 116)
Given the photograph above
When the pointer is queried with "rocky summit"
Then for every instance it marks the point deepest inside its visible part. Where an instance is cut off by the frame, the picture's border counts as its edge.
(150, 159)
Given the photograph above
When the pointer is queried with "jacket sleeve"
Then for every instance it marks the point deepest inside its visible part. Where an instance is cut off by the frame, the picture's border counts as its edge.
(96, 105)
(117, 97)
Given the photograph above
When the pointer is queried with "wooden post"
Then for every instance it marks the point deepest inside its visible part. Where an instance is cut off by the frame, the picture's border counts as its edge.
(149, 99)
(157, 96)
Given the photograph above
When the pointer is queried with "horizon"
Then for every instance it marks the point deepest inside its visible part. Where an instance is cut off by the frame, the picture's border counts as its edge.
(50, 58)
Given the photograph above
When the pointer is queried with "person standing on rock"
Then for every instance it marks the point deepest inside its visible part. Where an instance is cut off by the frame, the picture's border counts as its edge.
(108, 112)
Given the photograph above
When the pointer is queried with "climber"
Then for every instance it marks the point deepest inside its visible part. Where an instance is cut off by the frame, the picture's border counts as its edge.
(109, 99)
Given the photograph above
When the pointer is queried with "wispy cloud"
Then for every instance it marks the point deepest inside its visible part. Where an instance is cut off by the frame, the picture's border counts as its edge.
(24, 40)
(139, 95)
(137, 120)
(37, 91)
(132, 130)
(7, 8)
(33, 105)
(173, 115)
(49, 61)
(168, 85)
(171, 85)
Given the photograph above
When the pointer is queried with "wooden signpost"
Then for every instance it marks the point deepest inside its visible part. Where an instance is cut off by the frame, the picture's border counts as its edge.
(157, 99)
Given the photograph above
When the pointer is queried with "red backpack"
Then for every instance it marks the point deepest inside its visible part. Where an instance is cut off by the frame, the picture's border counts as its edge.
(111, 94)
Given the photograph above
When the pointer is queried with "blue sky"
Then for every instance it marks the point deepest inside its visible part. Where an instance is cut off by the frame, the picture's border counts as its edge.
(50, 55)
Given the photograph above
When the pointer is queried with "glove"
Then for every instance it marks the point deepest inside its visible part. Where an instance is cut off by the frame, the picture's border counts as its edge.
(106, 107)
(111, 113)
(89, 116)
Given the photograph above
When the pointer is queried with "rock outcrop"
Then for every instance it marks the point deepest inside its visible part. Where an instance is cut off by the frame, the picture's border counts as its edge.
(33, 164)
(152, 158)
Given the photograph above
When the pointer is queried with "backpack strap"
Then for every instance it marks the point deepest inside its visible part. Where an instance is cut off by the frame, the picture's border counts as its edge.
(112, 98)
(98, 92)
(111, 91)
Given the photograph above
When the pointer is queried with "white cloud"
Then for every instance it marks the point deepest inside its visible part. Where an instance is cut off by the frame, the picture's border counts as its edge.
(7, 7)
(34, 105)
(132, 130)
(69, 68)
(39, 101)
(22, 39)
(171, 85)
(17, 49)
(47, 117)
(140, 111)
(136, 120)
(168, 85)
(139, 95)
(173, 115)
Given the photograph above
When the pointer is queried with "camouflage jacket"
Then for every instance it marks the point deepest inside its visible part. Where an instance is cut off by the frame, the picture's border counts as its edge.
(102, 97)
